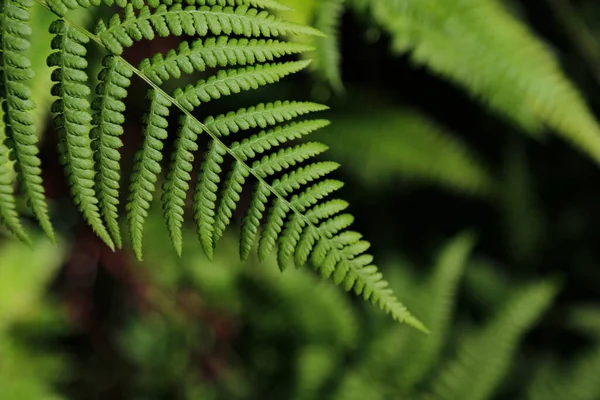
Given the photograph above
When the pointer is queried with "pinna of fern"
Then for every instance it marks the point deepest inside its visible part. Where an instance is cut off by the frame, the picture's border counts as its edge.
(243, 42)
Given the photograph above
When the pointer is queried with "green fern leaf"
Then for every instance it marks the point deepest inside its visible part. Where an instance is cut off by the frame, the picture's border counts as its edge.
(107, 120)
(577, 380)
(229, 198)
(61, 7)
(176, 184)
(205, 197)
(439, 293)
(215, 52)
(264, 141)
(254, 215)
(269, 4)
(411, 146)
(228, 82)
(293, 228)
(299, 220)
(484, 358)
(501, 61)
(328, 15)
(147, 167)
(73, 118)
(20, 131)
(261, 116)
(177, 20)
(223, 84)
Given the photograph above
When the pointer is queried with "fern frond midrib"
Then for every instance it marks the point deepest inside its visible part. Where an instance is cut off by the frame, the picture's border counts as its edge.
(404, 317)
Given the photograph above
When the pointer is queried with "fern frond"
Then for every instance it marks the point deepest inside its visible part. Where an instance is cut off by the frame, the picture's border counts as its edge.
(579, 381)
(328, 15)
(299, 220)
(501, 61)
(439, 293)
(108, 119)
(147, 167)
(485, 358)
(18, 107)
(73, 118)
(410, 146)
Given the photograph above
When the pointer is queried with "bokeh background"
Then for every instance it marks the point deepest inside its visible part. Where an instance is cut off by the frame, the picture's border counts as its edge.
(455, 123)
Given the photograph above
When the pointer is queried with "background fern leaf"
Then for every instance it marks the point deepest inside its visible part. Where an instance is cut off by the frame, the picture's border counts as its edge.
(18, 107)
(73, 118)
(328, 15)
(485, 358)
(527, 84)
(577, 380)
(108, 119)
(438, 292)
(412, 146)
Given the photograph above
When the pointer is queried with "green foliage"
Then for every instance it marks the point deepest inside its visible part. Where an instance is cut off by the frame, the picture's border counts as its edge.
(27, 369)
(299, 221)
(193, 329)
(409, 145)
(577, 380)
(484, 358)
(501, 61)
(19, 131)
(324, 15)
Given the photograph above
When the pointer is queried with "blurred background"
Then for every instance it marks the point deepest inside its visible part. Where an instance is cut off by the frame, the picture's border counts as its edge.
(470, 149)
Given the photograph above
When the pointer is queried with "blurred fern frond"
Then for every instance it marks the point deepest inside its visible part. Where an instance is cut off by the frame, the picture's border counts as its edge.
(324, 15)
(409, 145)
(485, 357)
(480, 46)
(577, 380)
